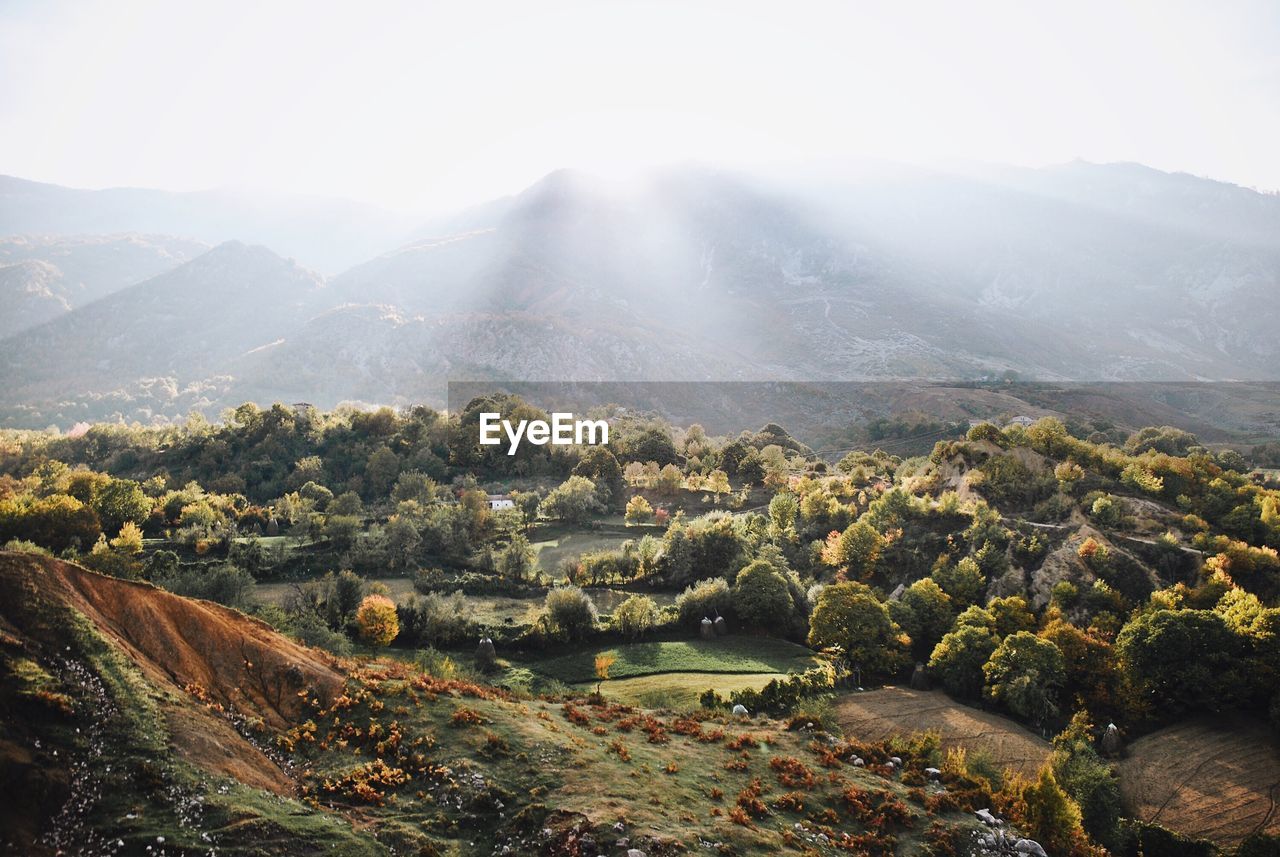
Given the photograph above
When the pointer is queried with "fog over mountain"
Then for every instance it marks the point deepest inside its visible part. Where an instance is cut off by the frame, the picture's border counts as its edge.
(1077, 272)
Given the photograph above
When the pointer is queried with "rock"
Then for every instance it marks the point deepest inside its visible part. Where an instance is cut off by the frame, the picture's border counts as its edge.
(897, 761)
(985, 816)
(635, 852)
(1025, 846)
(933, 773)
(740, 710)
(897, 592)
(858, 763)
(619, 827)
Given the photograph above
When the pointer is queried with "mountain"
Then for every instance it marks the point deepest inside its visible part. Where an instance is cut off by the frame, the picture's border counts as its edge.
(184, 326)
(1081, 272)
(323, 233)
(43, 276)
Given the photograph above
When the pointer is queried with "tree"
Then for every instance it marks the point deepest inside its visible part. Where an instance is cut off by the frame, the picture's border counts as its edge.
(635, 616)
(568, 613)
(604, 661)
(129, 541)
(414, 485)
(703, 600)
(402, 540)
(653, 444)
(121, 501)
(380, 471)
(761, 598)
(1024, 674)
(848, 615)
(515, 561)
(782, 512)
(342, 530)
(376, 620)
(1090, 665)
(857, 549)
(347, 589)
(963, 581)
(924, 612)
(669, 480)
(1011, 615)
(1182, 660)
(600, 466)
(574, 501)
(638, 510)
(1049, 815)
(718, 483)
(958, 659)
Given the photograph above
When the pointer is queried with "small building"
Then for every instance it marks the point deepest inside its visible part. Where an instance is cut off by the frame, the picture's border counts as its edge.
(1020, 420)
(500, 501)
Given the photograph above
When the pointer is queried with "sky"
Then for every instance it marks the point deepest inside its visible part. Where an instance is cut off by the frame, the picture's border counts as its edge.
(425, 106)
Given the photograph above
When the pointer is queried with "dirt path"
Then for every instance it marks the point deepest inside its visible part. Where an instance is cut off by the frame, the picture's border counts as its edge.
(878, 714)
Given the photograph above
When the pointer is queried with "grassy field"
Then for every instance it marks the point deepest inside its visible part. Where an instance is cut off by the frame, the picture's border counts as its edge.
(677, 690)
(1168, 777)
(729, 655)
(879, 714)
(551, 552)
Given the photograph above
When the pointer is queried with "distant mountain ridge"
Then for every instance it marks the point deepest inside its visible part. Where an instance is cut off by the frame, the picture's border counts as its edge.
(1079, 272)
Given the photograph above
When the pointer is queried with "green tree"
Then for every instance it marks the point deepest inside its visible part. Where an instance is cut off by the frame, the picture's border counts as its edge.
(857, 549)
(958, 659)
(121, 501)
(1182, 660)
(782, 512)
(568, 613)
(515, 561)
(925, 613)
(761, 598)
(1049, 815)
(1024, 675)
(574, 501)
(402, 541)
(600, 466)
(964, 581)
(848, 615)
(635, 616)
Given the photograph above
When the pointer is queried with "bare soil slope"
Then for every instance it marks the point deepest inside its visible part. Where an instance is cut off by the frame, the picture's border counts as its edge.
(879, 714)
(239, 662)
(1213, 779)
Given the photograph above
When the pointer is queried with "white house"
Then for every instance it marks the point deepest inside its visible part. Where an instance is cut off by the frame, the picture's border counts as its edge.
(500, 501)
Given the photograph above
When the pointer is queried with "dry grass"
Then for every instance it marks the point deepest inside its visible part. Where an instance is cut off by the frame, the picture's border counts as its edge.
(1213, 779)
(879, 714)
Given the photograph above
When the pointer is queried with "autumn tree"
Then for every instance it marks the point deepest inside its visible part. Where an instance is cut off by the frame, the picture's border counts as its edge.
(376, 620)
(849, 616)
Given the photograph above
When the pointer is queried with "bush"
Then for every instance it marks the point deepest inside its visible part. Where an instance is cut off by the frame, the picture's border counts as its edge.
(761, 599)
(223, 583)
(568, 613)
(377, 621)
(635, 616)
(310, 630)
(704, 599)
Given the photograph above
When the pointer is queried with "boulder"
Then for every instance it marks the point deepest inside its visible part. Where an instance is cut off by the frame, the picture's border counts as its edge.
(740, 710)
(985, 816)
(635, 852)
(933, 773)
(1029, 846)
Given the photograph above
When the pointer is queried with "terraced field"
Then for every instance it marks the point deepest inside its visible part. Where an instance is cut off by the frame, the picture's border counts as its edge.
(877, 714)
(1213, 779)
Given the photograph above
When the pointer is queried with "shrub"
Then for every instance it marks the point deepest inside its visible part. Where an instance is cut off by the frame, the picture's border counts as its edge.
(702, 600)
(223, 583)
(376, 620)
(568, 613)
(635, 616)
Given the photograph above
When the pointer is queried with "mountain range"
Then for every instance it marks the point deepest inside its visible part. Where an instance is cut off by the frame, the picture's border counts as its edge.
(1080, 272)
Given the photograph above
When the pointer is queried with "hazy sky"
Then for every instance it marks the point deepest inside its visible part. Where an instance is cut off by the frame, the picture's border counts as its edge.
(427, 106)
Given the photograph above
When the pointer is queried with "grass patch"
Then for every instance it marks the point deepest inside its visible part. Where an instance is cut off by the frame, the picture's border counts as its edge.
(731, 654)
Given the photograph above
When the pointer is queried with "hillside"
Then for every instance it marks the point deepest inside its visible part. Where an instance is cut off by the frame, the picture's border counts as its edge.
(1082, 272)
(132, 717)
